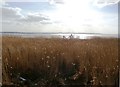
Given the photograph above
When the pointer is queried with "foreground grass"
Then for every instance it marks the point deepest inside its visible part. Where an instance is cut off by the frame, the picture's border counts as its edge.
(43, 62)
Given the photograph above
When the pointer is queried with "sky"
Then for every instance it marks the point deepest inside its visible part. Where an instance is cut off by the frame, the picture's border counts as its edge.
(84, 16)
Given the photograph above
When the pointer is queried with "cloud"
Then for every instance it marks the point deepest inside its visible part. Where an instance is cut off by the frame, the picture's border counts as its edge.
(98, 3)
(9, 13)
(34, 17)
(103, 3)
(14, 20)
(26, 0)
(56, 1)
(2, 3)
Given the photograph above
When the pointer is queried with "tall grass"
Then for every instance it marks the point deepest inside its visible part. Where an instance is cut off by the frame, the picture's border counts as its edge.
(53, 62)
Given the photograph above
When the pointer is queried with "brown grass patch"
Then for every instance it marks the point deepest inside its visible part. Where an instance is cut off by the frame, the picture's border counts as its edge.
(53, 62)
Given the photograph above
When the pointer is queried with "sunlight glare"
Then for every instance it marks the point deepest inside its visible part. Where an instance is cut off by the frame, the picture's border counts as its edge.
(76, 14)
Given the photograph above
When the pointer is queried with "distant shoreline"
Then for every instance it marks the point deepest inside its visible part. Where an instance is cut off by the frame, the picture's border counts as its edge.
(56, 33)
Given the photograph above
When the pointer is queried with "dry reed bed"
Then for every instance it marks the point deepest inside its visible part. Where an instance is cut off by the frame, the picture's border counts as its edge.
(57, 61)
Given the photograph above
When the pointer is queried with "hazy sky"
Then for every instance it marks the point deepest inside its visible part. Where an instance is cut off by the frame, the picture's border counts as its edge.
(88, 16)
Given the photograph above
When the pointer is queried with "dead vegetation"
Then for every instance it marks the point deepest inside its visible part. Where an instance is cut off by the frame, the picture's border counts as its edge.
(40, 62)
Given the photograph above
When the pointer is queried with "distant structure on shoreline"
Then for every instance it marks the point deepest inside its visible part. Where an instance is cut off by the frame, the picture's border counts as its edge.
(69, 37)
(64, 37)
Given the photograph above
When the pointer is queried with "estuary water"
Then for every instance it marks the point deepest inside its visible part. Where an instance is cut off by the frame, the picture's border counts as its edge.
(58, 35)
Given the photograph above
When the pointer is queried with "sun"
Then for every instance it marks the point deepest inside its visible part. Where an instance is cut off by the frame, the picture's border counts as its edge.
(75, 14)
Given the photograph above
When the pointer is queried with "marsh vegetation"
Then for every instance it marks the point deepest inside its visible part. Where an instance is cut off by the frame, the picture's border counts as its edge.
(54, 62)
